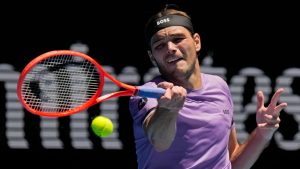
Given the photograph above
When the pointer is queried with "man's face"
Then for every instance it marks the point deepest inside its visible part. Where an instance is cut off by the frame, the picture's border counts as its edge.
(175, 50)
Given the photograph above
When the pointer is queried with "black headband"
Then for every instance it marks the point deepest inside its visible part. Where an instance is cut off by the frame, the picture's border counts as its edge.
(166, 21)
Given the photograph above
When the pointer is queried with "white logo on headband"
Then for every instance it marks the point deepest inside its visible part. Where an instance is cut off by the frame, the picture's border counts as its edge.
(165, 20)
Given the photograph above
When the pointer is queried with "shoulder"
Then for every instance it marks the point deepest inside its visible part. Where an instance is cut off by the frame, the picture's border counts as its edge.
(213, 79)
(212, 82)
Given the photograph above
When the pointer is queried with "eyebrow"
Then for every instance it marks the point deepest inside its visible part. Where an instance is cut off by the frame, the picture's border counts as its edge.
(158, 38)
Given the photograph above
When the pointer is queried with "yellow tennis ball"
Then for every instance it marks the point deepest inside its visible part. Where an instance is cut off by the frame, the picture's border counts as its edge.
(102, 126)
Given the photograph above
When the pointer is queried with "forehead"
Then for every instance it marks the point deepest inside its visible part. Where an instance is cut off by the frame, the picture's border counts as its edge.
(169, 31)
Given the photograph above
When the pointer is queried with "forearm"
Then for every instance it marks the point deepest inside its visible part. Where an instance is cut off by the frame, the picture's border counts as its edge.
(247, 153)
(160, 127)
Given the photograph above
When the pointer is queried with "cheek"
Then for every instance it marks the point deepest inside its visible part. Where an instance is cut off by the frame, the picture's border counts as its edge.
(191, 51)
(157, 57)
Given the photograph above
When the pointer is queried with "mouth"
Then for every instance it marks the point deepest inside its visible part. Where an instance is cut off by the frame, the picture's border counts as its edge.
(174, 59)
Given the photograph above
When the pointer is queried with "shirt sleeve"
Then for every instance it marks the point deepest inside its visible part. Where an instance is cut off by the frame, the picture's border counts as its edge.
(139, 108)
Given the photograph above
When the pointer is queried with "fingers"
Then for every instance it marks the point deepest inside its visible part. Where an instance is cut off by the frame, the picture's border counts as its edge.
(273, 102)
(173, 100)
(179, 91)
(260, 99)
(171, 90)
(165, 85)
(276, 97)
(281, 106)
(174, 97)
(175, 92)
(272, 120)
(278, 109)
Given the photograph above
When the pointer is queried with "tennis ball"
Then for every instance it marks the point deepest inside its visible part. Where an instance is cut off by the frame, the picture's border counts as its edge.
(102, 126)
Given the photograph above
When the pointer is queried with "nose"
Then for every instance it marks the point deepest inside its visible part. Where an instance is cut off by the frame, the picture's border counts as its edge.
(171, 48)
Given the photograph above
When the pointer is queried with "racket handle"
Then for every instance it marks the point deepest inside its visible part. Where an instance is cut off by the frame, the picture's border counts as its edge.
(150, 92)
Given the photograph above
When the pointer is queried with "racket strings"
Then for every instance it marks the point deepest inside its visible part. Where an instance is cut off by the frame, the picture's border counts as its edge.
(60, 83)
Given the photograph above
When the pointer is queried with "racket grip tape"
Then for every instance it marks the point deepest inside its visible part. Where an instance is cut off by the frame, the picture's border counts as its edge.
(150, 92)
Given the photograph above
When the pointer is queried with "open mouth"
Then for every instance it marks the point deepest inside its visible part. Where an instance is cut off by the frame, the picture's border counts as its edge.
(174, 59)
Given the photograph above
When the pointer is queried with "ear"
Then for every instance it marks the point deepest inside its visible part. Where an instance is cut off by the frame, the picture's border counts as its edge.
(197, 41)
(152, 58)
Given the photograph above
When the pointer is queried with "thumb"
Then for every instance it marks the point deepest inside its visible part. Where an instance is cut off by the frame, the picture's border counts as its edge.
(165, 85)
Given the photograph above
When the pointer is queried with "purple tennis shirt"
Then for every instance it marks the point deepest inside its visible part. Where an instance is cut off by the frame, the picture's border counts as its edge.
(203, 129)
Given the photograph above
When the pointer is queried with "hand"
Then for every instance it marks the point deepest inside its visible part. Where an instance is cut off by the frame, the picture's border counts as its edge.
(174, 97)
(267, 118)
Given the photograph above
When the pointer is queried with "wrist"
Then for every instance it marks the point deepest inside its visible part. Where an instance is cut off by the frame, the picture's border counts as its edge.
(265, 133)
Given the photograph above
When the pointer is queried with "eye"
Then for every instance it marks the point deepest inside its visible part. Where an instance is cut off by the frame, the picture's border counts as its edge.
(159, 46)
(177, 40)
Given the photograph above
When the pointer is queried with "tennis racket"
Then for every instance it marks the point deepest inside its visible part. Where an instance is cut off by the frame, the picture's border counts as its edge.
(64, 82)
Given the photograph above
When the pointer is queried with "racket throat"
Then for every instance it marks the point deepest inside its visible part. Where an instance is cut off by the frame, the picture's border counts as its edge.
(114, 94)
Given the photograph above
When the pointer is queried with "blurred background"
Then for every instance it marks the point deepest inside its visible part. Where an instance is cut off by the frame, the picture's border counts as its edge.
(253, 46)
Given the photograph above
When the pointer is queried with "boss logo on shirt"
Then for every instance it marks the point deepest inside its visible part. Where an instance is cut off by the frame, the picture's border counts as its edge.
(226, 111)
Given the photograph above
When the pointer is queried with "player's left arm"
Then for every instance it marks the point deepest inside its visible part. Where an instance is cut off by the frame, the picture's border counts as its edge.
(243, 156)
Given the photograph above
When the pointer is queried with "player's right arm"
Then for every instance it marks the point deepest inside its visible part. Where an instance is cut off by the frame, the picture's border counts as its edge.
(160, 123)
